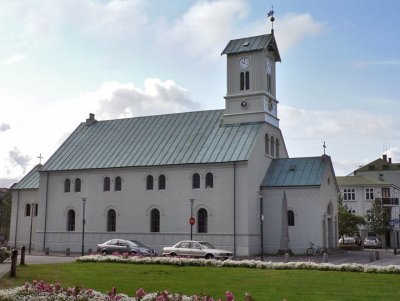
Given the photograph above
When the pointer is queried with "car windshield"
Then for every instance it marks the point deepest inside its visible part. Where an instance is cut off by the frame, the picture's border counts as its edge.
(137, 244)
(206, 244)
(371, 238)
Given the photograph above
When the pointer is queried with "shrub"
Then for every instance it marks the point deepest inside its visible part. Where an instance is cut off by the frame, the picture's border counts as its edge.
(4, 254)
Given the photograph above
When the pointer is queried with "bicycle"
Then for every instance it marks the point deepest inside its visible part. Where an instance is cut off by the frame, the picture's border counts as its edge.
(314, 248)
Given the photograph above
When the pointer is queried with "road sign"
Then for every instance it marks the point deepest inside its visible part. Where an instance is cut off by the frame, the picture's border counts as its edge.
(192, 220)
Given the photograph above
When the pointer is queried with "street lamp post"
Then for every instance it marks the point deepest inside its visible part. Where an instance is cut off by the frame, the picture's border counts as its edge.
(260, 197)
(83, 226)
(30, 231)
(191, 218)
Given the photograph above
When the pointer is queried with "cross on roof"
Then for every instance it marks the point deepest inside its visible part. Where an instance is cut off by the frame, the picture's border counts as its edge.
(40, 158)
(324, 146)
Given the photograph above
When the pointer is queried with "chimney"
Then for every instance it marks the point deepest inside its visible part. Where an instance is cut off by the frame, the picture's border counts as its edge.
(385, 158)
(90, 120)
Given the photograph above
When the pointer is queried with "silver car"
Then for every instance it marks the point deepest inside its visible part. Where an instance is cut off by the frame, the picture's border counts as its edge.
(191, 248)
(372, 242)
(132, 247)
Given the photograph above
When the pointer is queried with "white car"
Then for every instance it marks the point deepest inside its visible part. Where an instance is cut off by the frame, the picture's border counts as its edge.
(190, 248)
(372, 242)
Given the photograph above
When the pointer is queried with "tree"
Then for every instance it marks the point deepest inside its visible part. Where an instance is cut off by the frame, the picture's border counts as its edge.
(348, 222)
(5, 205)
(377, 220)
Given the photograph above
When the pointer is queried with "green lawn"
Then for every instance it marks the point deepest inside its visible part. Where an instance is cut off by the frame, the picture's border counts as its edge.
(261, 284)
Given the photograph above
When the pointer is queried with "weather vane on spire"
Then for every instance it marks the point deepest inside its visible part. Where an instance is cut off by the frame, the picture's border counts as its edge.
(271, 14)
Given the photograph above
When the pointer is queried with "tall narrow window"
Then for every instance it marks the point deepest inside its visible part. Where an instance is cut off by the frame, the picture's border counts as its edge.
(36, 209)
(209, 180)
(272, 146)
(111, 220)
(77, 185)
(266, 144)
(196, 181)
(149, 182)
(67, 185)
(269, 83)
(202, 217)
(106, 184)
(161, 182)
(71, 220)
(277, 148)
(118, 184)
(247, 80)
(241, 81)
(155, 220)
(28, 209)
(290, 218)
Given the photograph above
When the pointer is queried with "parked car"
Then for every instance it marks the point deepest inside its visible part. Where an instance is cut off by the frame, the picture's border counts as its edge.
(372, 242)
(121, 246)
(350, 240)
(192, 248)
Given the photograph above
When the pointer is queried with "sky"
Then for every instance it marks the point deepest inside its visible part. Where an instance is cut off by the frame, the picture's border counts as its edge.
(60, 60)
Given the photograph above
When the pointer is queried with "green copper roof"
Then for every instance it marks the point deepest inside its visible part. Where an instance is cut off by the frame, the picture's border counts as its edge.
(360, 181)
(30, 181)
(183, 138)
(250, 44)
(287, 172)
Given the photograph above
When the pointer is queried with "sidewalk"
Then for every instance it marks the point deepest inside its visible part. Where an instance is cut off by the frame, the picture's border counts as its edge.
(386, 258)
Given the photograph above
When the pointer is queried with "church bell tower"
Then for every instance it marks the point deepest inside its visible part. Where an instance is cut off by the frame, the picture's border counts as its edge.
(251, 80)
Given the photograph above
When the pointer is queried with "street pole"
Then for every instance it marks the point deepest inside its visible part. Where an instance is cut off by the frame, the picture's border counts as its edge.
(30, 232)
(83, 226)
(191, 215)
(260, 197)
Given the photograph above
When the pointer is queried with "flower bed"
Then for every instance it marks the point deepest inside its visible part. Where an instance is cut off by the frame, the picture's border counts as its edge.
(38, 290)
(353, 267)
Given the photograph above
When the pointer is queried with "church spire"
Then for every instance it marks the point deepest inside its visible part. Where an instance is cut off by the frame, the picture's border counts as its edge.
(272, 18)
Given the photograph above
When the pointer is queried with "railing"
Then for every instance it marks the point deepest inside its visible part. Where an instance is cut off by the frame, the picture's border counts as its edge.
(389, 201)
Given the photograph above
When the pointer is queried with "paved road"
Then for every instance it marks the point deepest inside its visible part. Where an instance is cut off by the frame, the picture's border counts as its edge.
(386, 257)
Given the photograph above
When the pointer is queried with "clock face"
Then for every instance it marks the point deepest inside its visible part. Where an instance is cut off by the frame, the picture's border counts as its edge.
(244, 63)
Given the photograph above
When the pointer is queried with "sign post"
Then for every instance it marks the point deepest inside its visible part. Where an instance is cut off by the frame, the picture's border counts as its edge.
(192, 220)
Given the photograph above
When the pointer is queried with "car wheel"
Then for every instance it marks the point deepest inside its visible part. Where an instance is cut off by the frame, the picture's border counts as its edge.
(104, 253)
(310, 251)
(133, 253)
(172, 254)
(209, 256)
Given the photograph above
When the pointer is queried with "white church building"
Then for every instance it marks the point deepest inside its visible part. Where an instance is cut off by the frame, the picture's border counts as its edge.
(142, 178)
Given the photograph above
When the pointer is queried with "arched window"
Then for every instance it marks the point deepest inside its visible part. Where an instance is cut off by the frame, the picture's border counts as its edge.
(106, 184)
(28, 209)
(272, 146)
(161, 182)
(247, 80)
(118, 184)
(77, 185)
(209, 180)
(155, 220)
(149, 182)
(290, 218)
(71, 220)
(67, 185)
(202, 217)
(266, 144)
(196, 181)
(277, 148)
(111, 220)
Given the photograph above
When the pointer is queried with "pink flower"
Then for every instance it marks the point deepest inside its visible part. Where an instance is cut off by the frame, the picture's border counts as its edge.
(140, 293)
(229, 296)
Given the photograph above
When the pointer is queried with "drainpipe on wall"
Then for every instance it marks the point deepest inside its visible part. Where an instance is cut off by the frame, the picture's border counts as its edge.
(16, 221)
(45, 212)
(234, 209)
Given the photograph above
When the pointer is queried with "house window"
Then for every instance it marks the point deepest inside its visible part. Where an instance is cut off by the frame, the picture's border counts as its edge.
(244, 80)
(349, 194)
(277, 148)
(71, 220)
(272, 146)
(196, 181)
(269, 83)
(290, 218)
(369, 194)
(209, 180)
(266, 144)
(111, 220)
(149, 182)
(202, 217)
(118, 184)
(77, 185)
(386, 192)
(161, 182)
(155, 220)
(67, 185)
(28, 210)
(106, 184)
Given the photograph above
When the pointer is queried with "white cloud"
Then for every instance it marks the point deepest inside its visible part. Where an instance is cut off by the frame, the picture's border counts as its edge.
(4, 127)
(202, 31)
(381, 63)
(16, 59)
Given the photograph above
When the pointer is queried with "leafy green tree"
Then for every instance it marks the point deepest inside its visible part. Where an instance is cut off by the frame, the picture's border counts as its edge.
(348, 222)
(377, 218)
(6, 215)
